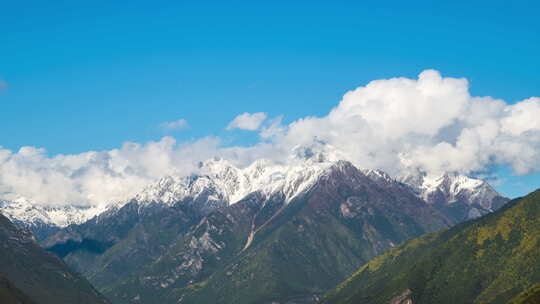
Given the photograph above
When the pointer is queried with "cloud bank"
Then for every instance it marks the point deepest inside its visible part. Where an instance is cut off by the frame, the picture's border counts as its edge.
(399, 125)
(96, 177)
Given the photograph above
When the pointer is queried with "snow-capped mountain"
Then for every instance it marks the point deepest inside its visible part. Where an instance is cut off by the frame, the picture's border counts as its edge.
(378, 176)
(460, 197)
(43, 220)
(224, 223)
(468, 196)
(317, 212)
(30, 213)
(219, 183)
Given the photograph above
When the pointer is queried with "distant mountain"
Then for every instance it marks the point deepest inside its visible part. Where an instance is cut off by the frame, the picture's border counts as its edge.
(489, 260)
(255, 235)
(457, 196)
(29, 272)
(44, 220)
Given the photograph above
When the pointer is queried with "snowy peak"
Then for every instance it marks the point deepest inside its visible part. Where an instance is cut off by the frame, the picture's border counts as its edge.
(317, 151)
(219, 183)
(452, 188)
(31, 214)
(378, 175)
(460, 188)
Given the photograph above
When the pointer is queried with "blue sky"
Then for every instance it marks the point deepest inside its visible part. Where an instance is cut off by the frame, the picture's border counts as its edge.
(89, 77)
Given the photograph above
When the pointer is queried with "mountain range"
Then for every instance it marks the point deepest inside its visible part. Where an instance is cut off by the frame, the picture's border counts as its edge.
(261, 234)
(266, 233)
(45, 220)
(458, 196)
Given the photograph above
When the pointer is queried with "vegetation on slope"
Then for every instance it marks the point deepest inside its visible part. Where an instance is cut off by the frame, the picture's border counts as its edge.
(488, 260)
(529, 296)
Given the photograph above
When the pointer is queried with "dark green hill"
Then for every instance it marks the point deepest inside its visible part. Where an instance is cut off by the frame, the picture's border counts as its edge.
(32, 273)
(9, 294)
(488, 260)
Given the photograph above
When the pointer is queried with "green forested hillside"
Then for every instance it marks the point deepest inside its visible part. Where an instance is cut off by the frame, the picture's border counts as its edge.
(529, 296)
(488, 260)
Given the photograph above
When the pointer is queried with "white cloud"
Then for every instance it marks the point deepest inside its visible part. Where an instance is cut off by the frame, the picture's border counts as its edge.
(431, 123)
(97, 177)
(176, 125)
(273, 129)
(247, 121)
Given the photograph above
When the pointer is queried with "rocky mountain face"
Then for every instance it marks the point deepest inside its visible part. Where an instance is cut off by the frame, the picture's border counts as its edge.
(255, 235)
(29, 274)
(493, 259)
(457, 196)
(297, 252)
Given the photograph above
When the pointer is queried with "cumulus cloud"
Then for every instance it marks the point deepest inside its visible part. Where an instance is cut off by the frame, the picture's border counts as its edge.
(247, 121)
(176, 125)
(431, 123)
(399, 125)
(97, 177)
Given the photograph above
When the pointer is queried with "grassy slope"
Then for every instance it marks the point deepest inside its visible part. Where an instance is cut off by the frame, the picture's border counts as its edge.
(489, 260)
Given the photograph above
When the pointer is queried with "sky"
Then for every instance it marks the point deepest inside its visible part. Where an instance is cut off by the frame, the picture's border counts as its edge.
(78, 77)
